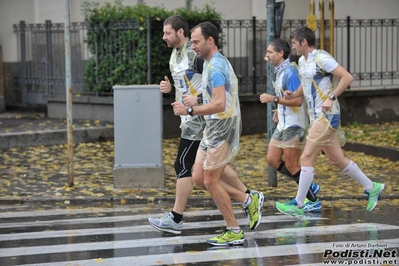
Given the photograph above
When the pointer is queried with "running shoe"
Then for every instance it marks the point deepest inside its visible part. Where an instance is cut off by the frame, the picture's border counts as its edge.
(166, 224)
(228, 237)
(290, 207)
(367, 193)
(374, 194)
(310, 206)
(254, 209)
(315, 188)
(227, 247)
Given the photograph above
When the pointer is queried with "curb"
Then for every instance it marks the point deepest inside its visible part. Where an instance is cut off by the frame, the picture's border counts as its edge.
(55, 137)
(383, 152)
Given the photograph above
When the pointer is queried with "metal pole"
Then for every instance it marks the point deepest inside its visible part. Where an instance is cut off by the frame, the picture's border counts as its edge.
(254, 55)
(23, 61)
(68, 84)
(321, 8)
(332, 26)
(148, 49)
(312, 8)
(49, 67)
(271, 126)
(348, 47)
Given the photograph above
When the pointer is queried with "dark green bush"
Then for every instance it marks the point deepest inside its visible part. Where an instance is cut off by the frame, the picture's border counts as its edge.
(117, 39)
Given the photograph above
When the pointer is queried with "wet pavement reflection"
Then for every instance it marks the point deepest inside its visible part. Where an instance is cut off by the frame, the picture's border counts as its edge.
(120, 235)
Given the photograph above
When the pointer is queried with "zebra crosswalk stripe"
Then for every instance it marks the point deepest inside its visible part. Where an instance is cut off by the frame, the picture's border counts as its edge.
(90, 247)
(215, 255)
(116, 230)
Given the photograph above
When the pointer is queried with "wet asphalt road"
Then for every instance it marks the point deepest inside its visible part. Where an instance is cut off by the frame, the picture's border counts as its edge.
(120, 235)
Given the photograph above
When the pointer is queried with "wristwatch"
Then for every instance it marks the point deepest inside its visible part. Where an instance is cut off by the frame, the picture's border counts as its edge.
(332, 97)
(199, 99)
(190, 111)
(276, 99)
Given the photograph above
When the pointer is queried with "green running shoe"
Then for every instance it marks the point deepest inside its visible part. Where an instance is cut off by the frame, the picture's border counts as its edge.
(290, 207)
(254, 209)
(374, 194)
(228, 237)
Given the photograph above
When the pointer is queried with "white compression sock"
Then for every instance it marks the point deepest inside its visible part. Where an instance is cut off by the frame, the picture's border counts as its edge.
(354, 171)
(305, 180)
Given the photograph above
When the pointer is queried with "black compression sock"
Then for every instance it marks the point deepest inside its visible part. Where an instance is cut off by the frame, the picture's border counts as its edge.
(248, 191)
(177, 217)
(296, 176)
(282, 169)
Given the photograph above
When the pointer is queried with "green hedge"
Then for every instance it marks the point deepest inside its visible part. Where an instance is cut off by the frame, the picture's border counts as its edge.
(120, 56)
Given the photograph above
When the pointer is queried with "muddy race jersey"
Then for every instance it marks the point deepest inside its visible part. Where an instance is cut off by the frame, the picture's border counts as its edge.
(187, 81)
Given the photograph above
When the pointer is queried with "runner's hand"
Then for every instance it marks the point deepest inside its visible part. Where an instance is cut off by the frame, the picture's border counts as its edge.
(275, 116)
(165, 86)
(288, 95)
(266, 98)
(179, 108)
(190, 100)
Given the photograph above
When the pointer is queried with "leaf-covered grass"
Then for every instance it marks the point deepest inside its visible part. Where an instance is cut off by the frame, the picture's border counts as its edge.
(383, 135)
(42, 171)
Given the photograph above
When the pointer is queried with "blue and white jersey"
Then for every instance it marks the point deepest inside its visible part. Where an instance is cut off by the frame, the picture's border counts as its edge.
(187, 81)
(222, 132)
(219, 72)
(287, 78)
(318, 83)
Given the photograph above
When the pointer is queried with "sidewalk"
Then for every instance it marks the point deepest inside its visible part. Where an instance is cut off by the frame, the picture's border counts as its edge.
(37, 174)
(34, 129)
